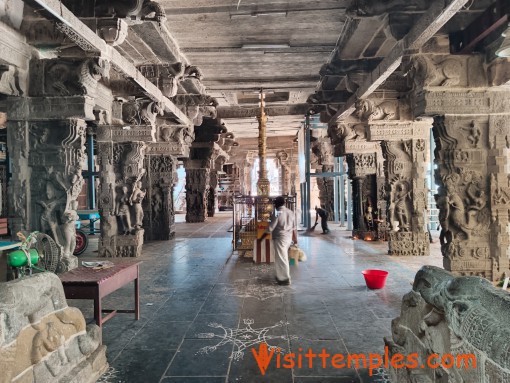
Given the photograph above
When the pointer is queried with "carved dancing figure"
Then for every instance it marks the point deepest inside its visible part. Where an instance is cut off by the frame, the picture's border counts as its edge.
(400, 206)
(474, 134)
(135, 200)
(122, 210)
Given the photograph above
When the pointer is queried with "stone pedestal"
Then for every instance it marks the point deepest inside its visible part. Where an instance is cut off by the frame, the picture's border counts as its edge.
(197, 184)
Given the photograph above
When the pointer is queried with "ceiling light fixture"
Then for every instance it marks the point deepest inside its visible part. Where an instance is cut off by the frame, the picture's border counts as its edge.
(265, 46)
(257, 14)
(504, 48)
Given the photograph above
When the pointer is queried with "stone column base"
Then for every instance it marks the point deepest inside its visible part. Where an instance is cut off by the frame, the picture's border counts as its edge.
(408, 244)
(472, 261)
(129, 245)
(67, 263)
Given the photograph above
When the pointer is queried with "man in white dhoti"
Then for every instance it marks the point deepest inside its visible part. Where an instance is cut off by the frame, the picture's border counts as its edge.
(282, 227)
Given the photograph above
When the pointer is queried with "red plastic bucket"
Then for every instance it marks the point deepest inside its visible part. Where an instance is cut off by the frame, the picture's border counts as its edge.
(375, 279)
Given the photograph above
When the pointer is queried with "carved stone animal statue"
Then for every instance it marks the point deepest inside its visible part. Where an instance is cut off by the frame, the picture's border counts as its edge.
(368, 110)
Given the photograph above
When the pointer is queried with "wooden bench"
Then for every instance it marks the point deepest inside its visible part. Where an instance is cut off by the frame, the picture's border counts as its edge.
(87, 283)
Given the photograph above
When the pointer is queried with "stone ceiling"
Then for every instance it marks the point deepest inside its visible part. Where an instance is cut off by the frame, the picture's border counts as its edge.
(284, 47)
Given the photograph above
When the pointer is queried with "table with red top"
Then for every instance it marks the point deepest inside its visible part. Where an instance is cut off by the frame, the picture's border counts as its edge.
(87, 283)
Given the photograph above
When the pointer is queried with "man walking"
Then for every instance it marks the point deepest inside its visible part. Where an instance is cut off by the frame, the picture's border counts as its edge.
(282, 227)
(324, 219)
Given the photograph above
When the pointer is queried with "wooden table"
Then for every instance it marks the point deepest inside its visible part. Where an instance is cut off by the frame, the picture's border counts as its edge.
(87, 283)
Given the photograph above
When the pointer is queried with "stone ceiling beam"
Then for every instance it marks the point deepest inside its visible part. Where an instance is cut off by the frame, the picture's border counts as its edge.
(494, 17)
(86, 39)
(240, 112)
(429, 24)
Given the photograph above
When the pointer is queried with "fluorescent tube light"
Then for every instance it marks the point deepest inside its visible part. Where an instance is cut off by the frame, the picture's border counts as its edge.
(265, 46)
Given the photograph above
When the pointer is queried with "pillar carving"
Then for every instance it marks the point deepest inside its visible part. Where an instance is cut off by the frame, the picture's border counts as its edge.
(365, 161)
(362, 173)
(197, 184)
(406, 190)
(121, 197)
(323, 151)
(47, 158)
(212, 193)
(404, 145)
(285, 171)
(471, 116)
(159, 213)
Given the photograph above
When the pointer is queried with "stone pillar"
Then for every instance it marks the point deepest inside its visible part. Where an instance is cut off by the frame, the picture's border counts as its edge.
(407, 192)
(365, 162)
(473, 192)
(47, 163)
(121, 193)
(212, 193)
(197, 184)
(362, 170)
(404, 146)
(323, 151)
(159, 214)
(283, 161)
(18, 189)
(471, 125)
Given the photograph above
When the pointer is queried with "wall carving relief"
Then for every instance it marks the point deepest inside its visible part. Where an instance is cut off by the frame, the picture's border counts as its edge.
(41, 338)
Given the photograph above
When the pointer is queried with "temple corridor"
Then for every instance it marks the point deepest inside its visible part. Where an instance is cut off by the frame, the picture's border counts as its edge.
(194, 285)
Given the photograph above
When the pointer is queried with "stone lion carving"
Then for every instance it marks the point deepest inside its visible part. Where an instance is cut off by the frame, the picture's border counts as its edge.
(424, 72)
(368, 110)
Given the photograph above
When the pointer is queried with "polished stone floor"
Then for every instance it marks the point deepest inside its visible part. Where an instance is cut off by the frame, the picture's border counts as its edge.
(204, 309)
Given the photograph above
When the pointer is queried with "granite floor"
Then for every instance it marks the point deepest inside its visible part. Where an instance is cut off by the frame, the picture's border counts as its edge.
(204, 309)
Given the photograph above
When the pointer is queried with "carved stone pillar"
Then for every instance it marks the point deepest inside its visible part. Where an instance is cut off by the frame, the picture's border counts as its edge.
(471, 129)
(197, 185)
(323, 151)
(47, 163)
(121, 194)
(362, 171)
(349, 139)
(18, 190)
(159, 214)
(212, 194)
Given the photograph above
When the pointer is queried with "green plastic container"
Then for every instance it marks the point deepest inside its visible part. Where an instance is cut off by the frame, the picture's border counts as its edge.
(18, 258)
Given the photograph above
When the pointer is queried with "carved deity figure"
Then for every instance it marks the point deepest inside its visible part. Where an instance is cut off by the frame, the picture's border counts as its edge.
(69, 231)
(474, 134)
(135, 201)
(122, 210)
(48, 219)
(400, 207)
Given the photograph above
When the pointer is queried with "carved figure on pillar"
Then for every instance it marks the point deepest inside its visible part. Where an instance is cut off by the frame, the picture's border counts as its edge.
(400, 206)
(137, 196)
(122, 210)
